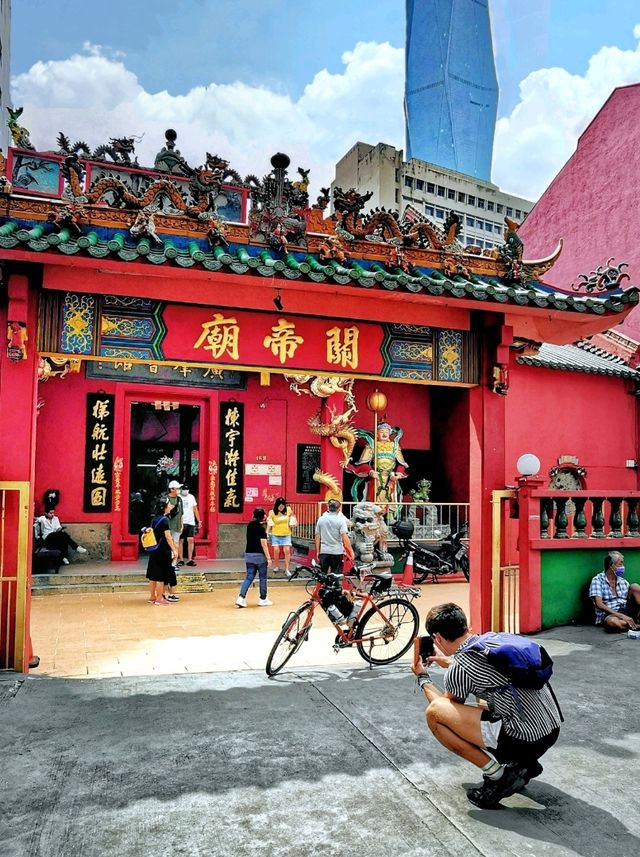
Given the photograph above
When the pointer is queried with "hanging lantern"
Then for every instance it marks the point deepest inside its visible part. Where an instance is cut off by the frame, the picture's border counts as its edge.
(377, 402)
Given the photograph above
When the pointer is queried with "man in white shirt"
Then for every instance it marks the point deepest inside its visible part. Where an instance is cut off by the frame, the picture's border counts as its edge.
(190, 525)
(49, 531)
(332, 539)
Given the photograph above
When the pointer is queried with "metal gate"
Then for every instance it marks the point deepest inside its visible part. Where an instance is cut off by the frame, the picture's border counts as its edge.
(505, 571)
(14, 573)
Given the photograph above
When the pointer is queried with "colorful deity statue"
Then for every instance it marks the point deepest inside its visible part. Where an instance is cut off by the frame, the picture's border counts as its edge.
(378, 479)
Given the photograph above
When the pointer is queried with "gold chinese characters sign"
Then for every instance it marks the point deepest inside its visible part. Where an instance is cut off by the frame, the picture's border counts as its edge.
(98, 456)
(231, 498)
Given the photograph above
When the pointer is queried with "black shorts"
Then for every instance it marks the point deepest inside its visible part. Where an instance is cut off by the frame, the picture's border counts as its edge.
(512, 749)
(330, 562)
(188, 531)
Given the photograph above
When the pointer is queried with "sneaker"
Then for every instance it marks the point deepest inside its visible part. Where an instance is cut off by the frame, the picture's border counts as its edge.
(161, 603)
(240, 601)
(171, 598)
(65, 561)
(192, 562)
(287, 573)
(265, 602)
(533, 769)
(180, 562)
(80, 549)
(491, 792)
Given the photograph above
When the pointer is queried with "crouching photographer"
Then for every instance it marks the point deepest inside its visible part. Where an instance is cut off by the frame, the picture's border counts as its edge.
(517, 718)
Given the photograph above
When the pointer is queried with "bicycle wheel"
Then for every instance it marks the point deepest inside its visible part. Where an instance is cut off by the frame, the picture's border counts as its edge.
(391, 629)
(293, 634)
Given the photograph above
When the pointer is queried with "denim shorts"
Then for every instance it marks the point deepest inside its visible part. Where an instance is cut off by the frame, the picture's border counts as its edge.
(281, 540)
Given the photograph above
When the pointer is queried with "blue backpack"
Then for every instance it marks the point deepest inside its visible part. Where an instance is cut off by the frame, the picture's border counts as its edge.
(523, 661)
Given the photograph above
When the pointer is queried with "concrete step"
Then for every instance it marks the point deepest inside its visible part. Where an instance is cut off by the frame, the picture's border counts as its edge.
(206, 581)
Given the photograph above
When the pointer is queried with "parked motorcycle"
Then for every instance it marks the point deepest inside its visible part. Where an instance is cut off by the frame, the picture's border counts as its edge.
(451, 556)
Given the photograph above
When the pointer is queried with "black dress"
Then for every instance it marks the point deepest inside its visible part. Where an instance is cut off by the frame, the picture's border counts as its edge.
(159, 568)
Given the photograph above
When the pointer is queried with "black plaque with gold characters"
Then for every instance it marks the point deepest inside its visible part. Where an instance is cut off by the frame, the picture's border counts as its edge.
(98, 455)
(231, 498)
(307, 462)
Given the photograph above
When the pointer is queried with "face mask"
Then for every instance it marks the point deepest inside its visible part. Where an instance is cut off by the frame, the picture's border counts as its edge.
(184, 493)
(619, 571)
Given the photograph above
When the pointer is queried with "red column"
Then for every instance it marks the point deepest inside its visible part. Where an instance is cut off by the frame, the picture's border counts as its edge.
(487, 418)
(18, 410)
(529, 529)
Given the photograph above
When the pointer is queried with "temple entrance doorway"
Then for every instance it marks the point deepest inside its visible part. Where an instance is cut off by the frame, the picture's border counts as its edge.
(164, 446)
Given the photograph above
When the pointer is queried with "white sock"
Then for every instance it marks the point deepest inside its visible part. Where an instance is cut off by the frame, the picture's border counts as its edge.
(493, 769)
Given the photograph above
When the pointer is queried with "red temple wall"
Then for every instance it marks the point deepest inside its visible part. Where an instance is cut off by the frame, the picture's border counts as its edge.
(552, 413)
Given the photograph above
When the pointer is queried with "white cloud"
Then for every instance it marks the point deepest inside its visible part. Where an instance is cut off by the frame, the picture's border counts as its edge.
(541, 133)
(93, 97)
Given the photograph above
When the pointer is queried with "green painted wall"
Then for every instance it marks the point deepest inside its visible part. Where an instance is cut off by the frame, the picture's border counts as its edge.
(565, 576)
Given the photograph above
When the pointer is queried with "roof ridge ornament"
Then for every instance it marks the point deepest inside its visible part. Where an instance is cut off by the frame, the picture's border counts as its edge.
(605, 278)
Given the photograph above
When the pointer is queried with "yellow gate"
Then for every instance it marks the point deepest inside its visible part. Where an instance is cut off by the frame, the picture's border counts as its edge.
(505, 571)
(14, 573)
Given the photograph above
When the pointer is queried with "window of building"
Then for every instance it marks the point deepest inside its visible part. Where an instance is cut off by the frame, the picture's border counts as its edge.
(462, 197)
(440, 213)
(429, 209)
(408, 181)
(397, 196)
(471, 200)
(518, 214)
(509, 212)
(488, 226)
(480, 202)
(470, 221)
(419, 184)
(431, 188)
(497, 228)
(441, 190)
(397, 175)
(451, 194)
(490, 205)
(499, 208)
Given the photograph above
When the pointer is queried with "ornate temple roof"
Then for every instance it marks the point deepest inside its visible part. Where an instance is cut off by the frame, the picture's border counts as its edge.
(101, 204)
(175, 251)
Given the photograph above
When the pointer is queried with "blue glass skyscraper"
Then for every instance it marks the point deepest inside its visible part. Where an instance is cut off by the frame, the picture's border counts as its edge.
(451, 88)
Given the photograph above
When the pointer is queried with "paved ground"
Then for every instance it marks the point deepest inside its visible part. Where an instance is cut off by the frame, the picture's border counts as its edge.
(317, 761)
(118, 633)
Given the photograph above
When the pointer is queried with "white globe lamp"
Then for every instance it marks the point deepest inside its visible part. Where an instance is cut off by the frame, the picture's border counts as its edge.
(528, 464)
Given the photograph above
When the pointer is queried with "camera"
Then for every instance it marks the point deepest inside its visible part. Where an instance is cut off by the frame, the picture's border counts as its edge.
(427, 648)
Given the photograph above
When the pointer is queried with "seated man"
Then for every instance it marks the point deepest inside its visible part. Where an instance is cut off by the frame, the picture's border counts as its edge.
(506, 734)
(52, 535)
(617, 602)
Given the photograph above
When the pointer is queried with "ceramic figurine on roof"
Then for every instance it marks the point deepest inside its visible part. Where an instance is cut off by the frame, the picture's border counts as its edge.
(169, 159)
(278, 206)
(144, 227)
(332, 249)
(69, 219)
(510, 253)
(323, 199)
(604, 278)
(19, 135)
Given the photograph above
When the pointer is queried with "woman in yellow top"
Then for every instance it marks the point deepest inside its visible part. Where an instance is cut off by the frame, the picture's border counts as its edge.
(279, 525)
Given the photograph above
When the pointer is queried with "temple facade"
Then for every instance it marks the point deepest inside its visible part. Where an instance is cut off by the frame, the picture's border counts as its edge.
(179, 322)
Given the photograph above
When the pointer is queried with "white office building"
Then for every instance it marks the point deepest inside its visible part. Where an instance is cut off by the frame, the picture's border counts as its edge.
(5, 71)
(430, 190)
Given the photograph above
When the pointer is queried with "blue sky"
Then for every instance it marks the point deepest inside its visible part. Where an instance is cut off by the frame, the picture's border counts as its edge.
(245, 77)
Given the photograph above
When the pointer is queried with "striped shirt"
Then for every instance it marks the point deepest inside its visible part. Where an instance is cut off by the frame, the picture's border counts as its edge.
(526, 714)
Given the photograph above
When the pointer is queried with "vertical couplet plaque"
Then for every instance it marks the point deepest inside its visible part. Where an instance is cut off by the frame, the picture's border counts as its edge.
(98, 455)
(231, 497)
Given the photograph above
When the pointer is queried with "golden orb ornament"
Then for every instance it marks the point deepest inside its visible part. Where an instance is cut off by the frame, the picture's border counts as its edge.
(377, 402)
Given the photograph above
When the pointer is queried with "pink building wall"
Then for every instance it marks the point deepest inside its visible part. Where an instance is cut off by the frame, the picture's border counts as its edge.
(593, 201)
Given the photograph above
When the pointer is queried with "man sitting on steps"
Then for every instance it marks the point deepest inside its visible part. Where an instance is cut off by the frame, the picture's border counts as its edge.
(53, 536)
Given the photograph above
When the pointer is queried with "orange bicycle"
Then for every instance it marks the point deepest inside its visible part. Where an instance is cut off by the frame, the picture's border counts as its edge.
(381, 620)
